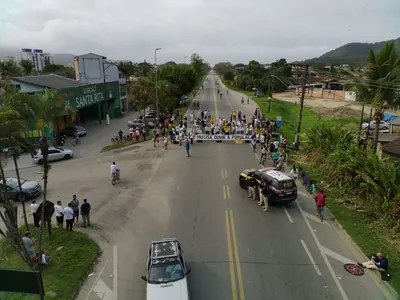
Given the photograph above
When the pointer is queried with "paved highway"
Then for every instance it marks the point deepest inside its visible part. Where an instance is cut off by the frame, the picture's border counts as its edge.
(235, 250)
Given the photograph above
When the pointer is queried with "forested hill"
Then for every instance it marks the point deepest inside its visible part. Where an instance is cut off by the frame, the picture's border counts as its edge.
(351, 54)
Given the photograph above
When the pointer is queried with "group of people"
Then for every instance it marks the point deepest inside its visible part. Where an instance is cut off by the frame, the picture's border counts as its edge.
(71, 213)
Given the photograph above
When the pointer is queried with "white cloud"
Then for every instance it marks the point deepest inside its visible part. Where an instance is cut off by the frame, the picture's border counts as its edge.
(234, 30)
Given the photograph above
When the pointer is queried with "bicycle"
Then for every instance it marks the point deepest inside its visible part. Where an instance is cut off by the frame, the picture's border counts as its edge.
(115, 178)
(76, 141)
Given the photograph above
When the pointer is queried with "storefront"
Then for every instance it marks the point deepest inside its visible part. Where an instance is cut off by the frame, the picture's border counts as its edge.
(95, 101)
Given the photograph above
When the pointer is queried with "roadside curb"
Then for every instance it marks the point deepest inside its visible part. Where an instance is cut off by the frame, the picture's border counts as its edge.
(94, 262)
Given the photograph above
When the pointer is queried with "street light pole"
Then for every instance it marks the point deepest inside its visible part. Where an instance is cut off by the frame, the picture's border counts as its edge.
(155, 60)
(300, 117)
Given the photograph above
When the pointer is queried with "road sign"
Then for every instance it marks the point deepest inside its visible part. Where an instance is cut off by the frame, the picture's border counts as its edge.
(278, 121)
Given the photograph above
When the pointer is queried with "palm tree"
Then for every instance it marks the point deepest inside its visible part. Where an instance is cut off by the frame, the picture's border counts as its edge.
(11, 122)
(49, 108)
(27, 66)
(381, 84)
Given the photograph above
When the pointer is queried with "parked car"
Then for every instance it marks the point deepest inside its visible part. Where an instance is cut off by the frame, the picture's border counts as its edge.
(150, 117)
(140, 123)
(30, 189)
(55, 153)
(70, 130)
(372, 125)
(166, 271)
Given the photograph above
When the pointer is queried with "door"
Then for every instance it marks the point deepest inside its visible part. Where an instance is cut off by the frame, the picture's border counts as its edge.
(55, 154)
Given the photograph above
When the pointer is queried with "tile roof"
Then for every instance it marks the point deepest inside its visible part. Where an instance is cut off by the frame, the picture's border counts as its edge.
(392, 148)
(51, 81)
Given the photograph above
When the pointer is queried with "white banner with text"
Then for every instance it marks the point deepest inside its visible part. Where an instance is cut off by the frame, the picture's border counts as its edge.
(222, 137)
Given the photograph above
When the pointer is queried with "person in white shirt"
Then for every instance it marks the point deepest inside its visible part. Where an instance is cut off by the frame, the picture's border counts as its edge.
(59, 210)
(69, 216)
(113, 169)
(34, 208)
(276, 144)
(294, 173)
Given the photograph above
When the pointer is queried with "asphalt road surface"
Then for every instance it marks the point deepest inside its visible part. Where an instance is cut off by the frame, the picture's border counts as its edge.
(235, 250)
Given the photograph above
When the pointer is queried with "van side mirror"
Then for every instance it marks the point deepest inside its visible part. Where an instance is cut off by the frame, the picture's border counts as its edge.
(188, 271)
(144, 278)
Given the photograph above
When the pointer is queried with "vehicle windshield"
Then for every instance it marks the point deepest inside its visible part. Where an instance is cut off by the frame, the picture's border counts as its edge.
(61, 149)
(164, 273)
(13, 182)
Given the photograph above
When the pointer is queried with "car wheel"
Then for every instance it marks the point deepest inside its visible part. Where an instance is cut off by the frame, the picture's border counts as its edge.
(67, 156)
(40, 161)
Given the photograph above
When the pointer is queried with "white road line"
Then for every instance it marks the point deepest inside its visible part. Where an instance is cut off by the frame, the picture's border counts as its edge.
(316, 219)
(331, 271)
(288, 215)
(96, 281)
(103, 291)
(115, 273)
(311, 258)
(337, 256)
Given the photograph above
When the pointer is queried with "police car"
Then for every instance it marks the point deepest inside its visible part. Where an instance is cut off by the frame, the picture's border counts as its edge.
(166, 271)
(283, 188)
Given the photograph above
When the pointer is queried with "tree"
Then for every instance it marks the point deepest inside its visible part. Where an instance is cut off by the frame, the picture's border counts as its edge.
(59, 70)
(27, 66)
(199, 66)
(183, 78)
(143, 93)
(130, 68)
(381, 82)
(9, 69)
(48, 109)
(144, 69)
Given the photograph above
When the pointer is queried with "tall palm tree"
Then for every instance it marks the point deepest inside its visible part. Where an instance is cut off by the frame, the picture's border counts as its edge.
(381, 84)
(27, 66)
(49, 108)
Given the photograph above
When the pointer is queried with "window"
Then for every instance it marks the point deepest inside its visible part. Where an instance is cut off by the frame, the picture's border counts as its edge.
(164, 273)
(13, 182)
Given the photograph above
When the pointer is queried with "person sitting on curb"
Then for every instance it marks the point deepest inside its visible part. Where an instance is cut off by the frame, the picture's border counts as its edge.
(378, 262)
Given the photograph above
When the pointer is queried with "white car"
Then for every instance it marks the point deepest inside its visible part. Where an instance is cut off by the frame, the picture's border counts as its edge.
(372, 125)
(166, 271)
(55, 153)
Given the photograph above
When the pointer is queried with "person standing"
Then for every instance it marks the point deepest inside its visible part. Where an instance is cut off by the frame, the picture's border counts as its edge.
(251, 187)
(34, 208)
(59, 214)
(69, 216)
(187, 146)
(85, 212)
(75, 207)
(28, 244)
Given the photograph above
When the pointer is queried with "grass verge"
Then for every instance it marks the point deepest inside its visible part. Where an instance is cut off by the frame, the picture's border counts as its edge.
(125, 144)
(72, 255)
(370, 235)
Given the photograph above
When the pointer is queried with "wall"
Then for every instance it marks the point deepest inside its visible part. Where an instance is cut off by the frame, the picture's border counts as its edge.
(27, 88)
(323, 93)
(90, 69)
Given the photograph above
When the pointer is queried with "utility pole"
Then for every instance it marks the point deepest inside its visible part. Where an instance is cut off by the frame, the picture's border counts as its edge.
(361, 122)
(303, 94)
(155, 60)
(104, 85)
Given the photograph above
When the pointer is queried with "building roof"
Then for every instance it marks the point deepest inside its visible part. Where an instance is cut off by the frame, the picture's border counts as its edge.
(51, 81)
(92, 54)
(392, 148)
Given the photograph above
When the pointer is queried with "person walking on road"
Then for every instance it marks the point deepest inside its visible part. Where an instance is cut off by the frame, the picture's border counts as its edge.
(85, 213)
(187, 147)
(75, 207)
(34, 208)
(69, 216)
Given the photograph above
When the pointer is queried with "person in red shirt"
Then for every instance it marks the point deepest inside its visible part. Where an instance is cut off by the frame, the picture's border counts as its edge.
(320, 201)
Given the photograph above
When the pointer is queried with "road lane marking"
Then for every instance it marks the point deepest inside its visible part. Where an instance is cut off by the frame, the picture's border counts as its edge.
(311, 258)
(103, 291)
(329, 266)
(224, 191)
(228, 192)
(237, 258)
(316, 219)
(115, 273)
(96, 281)
(226, 174)
(337, 256)
(287, 214)
(230, 257)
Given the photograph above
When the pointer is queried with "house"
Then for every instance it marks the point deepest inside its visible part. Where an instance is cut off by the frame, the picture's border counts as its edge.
(395, 125)
(391, 149)
(92, 68)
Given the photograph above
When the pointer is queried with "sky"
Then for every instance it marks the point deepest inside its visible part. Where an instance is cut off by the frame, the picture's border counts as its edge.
(218, 30)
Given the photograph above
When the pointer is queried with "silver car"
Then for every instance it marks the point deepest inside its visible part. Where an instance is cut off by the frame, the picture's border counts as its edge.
(55, 153)
(29, 188)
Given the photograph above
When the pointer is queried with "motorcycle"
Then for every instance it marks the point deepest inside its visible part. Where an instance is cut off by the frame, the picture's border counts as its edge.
(60, 140)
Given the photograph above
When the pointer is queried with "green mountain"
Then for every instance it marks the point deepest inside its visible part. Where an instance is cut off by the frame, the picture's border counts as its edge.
(351, 54)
